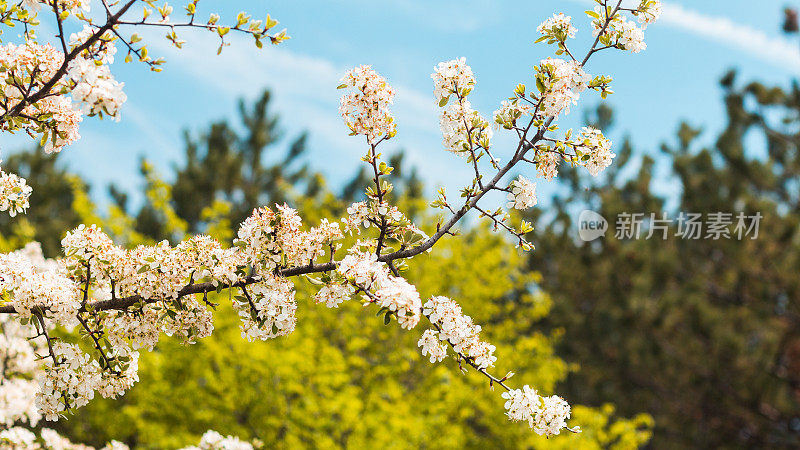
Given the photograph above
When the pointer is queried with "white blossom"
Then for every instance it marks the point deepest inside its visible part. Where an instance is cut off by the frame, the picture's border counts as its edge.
(547, 164)
(432, 346)
(523, 193)
(18, 438)
(333, 294)
(269, 311)
(14, 194)
(213, 440)
(70, 380)
(459, 330)
(619, 30)
(598, 150)
(400, 297)
(365, 110)
(561, 82)
(631, 37)
(547, 416)
(558, 27)
(452, 77)
(96, 88)
(463, 128)
(649, 11)
(510, 110)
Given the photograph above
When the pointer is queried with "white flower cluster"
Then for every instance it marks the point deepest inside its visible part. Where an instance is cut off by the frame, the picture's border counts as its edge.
(189, 322)
(14, 193)
(115, 381)
(212, 440)
(300, 247)
(268, 309)
(139, 329)
(18, 365)
(630, 36)
(31, 64)
(17, 401)
(561, 83)
(433, 346)
(333, 294)
(366, 214)
(452, 77)
(94, 85)
(620, 31)
(68, 382)
(101, 50)
(64, 116)
(268, 239)
(400, 297)
(463, 128)
(88, 81)
(71, 377)
(395, 294)
(156, 271)
(29, 287)
(558, 27)
(94, 267)
(363, 269)
(19, 438)
(83, 243)
(209, 260)
(26, 63)
(599, 154)
(53, 289)
(96, 88)
(511, 110)
(648, 12)
(365, 110)
(547, 164)
(547, 416)
(523, 193)
(73, 6)
(459, 330)
(257, 239)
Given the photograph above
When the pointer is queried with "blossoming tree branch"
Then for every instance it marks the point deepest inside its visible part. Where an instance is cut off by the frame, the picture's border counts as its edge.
(121, 300)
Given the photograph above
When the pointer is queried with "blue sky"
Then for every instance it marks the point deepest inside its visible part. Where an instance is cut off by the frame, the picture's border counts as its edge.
(674, 79)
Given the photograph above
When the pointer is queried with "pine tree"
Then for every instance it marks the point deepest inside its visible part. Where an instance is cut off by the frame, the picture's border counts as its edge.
(704, 334)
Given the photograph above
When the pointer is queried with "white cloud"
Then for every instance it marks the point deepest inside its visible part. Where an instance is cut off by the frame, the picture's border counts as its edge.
(772, 49)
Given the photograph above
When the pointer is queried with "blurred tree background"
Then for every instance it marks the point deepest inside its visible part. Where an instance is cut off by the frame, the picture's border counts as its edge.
(343, 378)
(702, 334)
